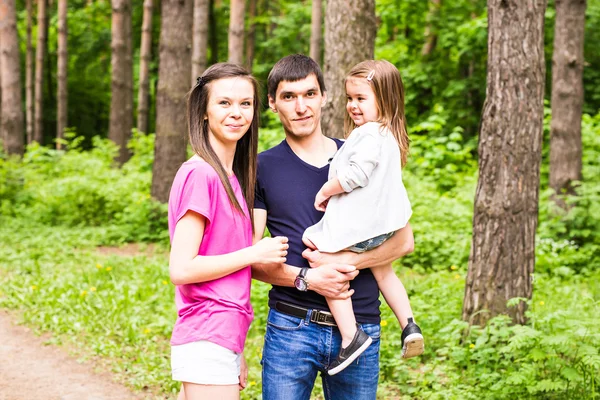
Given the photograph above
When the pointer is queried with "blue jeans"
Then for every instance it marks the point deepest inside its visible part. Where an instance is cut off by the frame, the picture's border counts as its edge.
(370, 244)
(296, 350)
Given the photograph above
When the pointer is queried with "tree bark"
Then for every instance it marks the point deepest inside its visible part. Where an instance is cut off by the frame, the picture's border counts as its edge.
(236, 32)
(174, 71)
(567, 96)
(62, 92)
(200, 38)
(250, 37)
(502, 256)
(40, 54)
(354, 22)
(121, 105)
(145, 58)
(430, 32)
(11, 119)
(316, 29)
(212, 33)
(29, 76)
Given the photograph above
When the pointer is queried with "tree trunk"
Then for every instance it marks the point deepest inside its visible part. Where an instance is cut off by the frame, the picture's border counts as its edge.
(212, 33)
(174, 71)
(62, 93)
(236, 32)
(40, 54)
(145, 58)
(502, 255)
(11, 119)
(250, 38)
(354, 21)
(29, 76)
(121, 105)
(200, 38)
(567, 96)
(430, 33)
(316, 29)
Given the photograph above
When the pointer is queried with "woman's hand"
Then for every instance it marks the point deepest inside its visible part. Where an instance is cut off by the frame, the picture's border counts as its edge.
(243, 373)
(270, 250)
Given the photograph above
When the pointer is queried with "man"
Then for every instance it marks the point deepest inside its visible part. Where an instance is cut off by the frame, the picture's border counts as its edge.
(301, 338)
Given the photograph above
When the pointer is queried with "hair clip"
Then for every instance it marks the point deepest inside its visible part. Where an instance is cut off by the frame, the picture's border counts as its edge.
(201, 81)
(370, 76)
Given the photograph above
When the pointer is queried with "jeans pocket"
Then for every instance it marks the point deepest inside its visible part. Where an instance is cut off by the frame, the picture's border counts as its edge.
(373, 330)
(284, 322)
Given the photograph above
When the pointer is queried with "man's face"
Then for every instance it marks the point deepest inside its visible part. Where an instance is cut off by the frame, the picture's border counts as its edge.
(299, 106)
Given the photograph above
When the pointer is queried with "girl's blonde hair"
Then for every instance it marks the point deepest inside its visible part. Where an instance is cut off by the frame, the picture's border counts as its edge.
(384, 78)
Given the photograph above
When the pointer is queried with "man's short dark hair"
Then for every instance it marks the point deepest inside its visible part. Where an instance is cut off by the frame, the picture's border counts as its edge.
(294, 68)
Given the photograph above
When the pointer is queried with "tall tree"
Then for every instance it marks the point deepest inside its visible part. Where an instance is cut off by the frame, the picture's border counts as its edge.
(145, 57)
(11, 119)
(174, 71)
(29, 75)
(199, 38)
(251, 36)
(121, 104)
(40, 55)
(316, 29)
(355, 22)
(236, 32)
(502, 255)
(567, 96)
(213, 40)
(430, 33)
(62, 94)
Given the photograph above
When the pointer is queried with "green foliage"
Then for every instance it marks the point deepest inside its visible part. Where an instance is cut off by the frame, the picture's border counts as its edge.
(118, 311)
(81, 187)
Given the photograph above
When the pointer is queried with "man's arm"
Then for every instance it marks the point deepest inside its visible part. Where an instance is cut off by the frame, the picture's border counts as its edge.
(332, 280)
(399, 245)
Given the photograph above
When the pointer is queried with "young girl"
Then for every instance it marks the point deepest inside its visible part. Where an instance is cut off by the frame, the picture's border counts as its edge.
(365, 201)
(211, 236)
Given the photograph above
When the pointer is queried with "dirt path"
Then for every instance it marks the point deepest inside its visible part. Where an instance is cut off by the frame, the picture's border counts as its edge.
(29, 370)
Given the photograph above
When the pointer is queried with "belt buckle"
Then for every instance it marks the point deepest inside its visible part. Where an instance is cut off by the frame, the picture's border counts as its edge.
(320, 317)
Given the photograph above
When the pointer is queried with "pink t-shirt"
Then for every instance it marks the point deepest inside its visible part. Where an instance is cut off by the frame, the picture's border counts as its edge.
(218, 311)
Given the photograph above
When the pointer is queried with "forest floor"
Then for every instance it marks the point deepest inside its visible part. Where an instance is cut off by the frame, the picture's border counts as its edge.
(30, 369)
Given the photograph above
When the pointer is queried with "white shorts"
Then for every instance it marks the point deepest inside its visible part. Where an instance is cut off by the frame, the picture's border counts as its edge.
(205, 363)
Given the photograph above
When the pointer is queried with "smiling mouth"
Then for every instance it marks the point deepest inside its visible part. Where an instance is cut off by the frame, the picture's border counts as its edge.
(302, 119)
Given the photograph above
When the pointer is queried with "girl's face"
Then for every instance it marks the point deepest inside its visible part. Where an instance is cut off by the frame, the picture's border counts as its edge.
(361, 104)
(230, 110)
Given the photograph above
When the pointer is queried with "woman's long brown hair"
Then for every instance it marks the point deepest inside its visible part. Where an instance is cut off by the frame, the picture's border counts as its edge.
(244, 161)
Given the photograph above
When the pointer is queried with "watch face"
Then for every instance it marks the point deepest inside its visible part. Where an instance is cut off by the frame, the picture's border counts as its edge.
(300, 284)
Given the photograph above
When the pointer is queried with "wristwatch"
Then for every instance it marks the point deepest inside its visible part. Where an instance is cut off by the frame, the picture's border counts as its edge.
(300, 282)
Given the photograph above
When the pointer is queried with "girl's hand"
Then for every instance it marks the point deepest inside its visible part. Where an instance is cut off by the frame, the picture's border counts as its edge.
(243, 373)
(321, 201)
(270, 250)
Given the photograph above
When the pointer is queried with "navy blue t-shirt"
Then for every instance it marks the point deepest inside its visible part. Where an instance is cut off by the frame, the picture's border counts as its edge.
(286, 188)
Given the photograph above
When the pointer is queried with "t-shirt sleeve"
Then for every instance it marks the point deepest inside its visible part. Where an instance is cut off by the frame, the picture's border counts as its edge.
(362, 158)
(196, 194)
(259, 192)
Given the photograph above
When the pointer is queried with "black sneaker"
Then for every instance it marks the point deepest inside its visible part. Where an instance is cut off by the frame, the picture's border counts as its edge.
(412, 340)
(359, 344)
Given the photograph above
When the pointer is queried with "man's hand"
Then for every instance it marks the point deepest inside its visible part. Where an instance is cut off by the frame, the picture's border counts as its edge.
(317, 259)
(332, 280)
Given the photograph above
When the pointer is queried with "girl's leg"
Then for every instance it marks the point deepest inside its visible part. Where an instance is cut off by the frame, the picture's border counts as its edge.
(201, 392)
(344, 318)
(394, 293)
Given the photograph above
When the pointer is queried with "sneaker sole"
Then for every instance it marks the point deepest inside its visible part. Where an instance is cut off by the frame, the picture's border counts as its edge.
(413, 346)
(351, 359)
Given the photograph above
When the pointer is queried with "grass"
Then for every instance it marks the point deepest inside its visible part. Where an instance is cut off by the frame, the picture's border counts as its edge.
(118, 310)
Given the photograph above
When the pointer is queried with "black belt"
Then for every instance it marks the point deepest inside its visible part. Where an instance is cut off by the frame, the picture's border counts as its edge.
(316, 316)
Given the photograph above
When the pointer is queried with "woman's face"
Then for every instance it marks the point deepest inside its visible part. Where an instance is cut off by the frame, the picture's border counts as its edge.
(230, 110)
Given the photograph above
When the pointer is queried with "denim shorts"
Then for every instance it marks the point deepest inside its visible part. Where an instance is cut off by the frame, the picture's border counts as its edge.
(370, 244)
